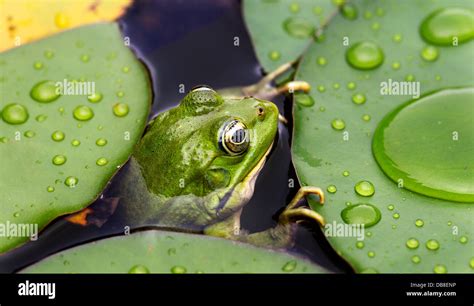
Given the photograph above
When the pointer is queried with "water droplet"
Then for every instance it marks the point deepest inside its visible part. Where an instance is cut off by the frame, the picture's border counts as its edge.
(471, 263)
(345, 173)
(450, 223)
(101, 161)
(369, 271)
(432, 244)
(410, 78)
(44, 92)
(38, 65)
(365, 56)
(48, 54)
(371, 254)
(41, 118)
(463, 239)
(59, 160)
(397, 38)
(438, 78)
(351, 85)
(429, 53)
(289, 266)
(83, 113)
(336, 85)
(95, 97)
(50, 189)
(322, 61)
(120, 94)
(349, 12)
(58, 136)
(304, 99)
(75, 143)
(15, 113)
(396, 65)
(85, 58)
(441, 26)
(61, 21)
(317, 10)
(358, 98)
(379, 12)
(322, 109)
(416, 259)
(366, 214)
(412, 243)
(125, 69)
(321, 88)
(419, 223)
(332, 189)
(406, 144)
(364, 188)
(339, 2)
(394, 226)
(359, 245)
(29, 134)
(121, 109)
(440, 269)
(16, 215)
(101, 142)
(274, 55)
(366, 117)
(396, 216)
(369, 234)
(138, 269)
(294, 7)
(71, 181)
(298, 27)
(338, 124)
(375, 26)
(178, 270)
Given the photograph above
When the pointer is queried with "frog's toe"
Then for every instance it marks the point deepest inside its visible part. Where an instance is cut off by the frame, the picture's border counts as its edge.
(295, 213)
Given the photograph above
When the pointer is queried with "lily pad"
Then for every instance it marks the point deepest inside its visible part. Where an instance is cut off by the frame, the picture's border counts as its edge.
(167, 252)
(417, 204)
(282, 29)
(29, 20)
(59, 149)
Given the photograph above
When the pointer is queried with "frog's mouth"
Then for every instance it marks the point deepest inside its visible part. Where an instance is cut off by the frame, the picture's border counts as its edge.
(243, 192)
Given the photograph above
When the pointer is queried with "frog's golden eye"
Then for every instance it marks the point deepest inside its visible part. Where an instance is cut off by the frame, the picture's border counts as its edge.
(234, 137)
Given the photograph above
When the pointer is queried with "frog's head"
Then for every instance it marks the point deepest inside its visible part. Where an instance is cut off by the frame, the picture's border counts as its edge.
(208, 145)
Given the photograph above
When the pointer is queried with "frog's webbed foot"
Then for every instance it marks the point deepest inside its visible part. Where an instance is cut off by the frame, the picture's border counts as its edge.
(282, 236)
(295, 213)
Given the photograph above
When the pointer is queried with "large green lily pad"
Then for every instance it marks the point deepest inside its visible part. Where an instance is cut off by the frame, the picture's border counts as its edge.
(332, 145)
(52, 161)
(167, 252)
(282, 29)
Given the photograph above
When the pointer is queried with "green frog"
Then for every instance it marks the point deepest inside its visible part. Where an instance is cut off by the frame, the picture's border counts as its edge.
(195, 169)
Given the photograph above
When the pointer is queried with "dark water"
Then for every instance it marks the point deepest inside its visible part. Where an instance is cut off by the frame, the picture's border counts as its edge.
(191, 42)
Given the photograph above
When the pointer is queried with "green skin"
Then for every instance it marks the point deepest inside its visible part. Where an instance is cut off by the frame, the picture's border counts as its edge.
(181, 178)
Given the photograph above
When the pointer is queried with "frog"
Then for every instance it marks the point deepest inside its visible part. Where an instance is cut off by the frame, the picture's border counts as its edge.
(195, 169)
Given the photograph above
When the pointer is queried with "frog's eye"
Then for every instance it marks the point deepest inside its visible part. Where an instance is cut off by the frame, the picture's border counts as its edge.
(234, 137)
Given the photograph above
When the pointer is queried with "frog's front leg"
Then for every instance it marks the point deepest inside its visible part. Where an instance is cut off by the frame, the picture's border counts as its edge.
(281, 236)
